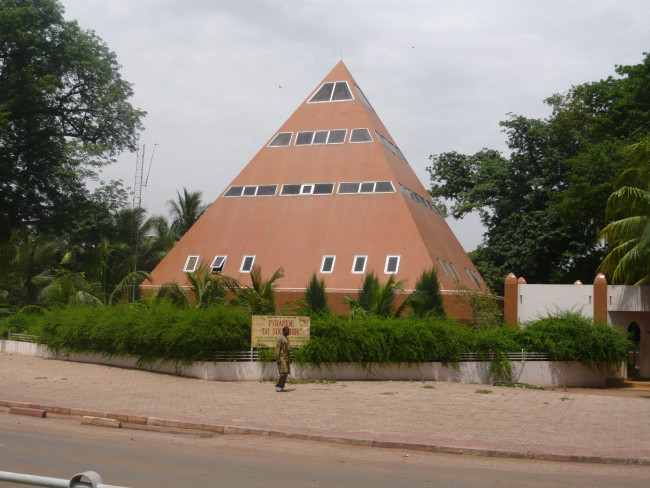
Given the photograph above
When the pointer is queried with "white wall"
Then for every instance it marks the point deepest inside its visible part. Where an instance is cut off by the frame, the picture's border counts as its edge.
(535, 301)
(541, 373)
(628, 298)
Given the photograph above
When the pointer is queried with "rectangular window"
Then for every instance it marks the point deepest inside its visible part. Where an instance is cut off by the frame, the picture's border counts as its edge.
(247, 264)
(454, 269)
(320, 137)
(392, 264)
(327, 266)
(359, 265)
(234, 191)
(304, 138)
(191, 263)
(290, 189)
(323, 188)
(249, 191)
(306, 189)
(360, 135)
(337, 136)
(471, 278)
(384, 187)
(367, 187)
(218, 263)
(348, 187)
(266, 190)
(282, 139)
(444, 270)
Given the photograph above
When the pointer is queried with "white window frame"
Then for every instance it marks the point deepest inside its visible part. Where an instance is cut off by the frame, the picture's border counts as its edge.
(187, 262)
(354, 262)
(360, 142)
(322, 264)
(311, 141)
(223, 263)
(243, 261)
(451, 266)
(345, 137)
(276, 135)
(332, 94)
(399, 258)
(442, 267)
(469, 273)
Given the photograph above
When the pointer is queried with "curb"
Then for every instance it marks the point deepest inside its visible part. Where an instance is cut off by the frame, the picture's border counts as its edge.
(117, 420)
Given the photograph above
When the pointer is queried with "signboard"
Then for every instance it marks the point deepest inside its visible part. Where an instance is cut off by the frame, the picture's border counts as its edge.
(266, 329)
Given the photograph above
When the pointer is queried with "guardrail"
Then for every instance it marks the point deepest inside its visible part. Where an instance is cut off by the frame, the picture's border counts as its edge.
(13, 336)
(94, 480)
(254, 354)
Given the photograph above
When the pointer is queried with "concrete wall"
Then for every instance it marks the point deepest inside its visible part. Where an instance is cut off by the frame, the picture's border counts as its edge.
(541, 373)
(535, 301)
(628, 298)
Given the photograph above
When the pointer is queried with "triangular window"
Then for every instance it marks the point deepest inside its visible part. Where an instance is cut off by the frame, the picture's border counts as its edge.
(332, 92)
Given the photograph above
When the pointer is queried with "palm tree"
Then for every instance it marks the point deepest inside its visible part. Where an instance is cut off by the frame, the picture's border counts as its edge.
(185, 211)
(316, 297)
(628, 233)
(259, 298)
(111, 267)
(375, 300)
(208, 289)
(156, 240)
(27, 264)
(426, 299)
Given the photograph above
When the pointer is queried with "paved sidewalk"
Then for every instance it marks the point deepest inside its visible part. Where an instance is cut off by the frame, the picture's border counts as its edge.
(435, 416)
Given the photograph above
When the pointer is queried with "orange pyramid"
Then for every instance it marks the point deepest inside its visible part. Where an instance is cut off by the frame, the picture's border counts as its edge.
(329, 193)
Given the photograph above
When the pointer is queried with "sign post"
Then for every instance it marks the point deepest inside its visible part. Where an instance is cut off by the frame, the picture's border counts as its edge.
(266, 329)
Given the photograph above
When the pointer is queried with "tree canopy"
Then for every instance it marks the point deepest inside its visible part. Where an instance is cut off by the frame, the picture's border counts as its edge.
(64, 112)
(544, 204)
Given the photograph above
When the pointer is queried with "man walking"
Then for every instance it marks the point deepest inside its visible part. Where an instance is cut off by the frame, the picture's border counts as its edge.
(283, 356)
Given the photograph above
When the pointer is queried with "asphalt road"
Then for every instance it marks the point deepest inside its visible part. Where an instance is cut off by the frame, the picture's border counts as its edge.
(61, 448)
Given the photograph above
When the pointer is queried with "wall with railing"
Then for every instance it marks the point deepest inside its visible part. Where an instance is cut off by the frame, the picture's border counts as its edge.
(527, 367)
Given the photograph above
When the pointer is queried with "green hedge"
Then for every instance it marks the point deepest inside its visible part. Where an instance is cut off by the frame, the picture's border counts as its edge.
(161, 331)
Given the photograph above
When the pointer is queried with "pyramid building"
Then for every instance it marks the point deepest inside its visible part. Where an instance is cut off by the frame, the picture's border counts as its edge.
(332, 194)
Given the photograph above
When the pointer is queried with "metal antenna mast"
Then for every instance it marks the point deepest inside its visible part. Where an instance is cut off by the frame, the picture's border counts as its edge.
(139, 183)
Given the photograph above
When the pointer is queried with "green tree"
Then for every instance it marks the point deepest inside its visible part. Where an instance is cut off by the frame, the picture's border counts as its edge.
(316, 297)
(376, 300)
(628, 233)
(64, 112)
(185, 211)
(259, 298)
(543, 204)
(27, 264)
(426, 299)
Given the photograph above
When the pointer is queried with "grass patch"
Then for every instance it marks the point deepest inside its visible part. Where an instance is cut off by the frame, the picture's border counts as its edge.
(429, 387)
(484, 392)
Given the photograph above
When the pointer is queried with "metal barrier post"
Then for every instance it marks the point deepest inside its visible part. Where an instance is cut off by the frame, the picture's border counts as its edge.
(74, 482)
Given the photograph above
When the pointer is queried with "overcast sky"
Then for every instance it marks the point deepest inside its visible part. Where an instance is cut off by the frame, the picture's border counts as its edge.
(218, 78)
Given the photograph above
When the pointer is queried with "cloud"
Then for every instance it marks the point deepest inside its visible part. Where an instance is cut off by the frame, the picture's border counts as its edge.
(440, 74)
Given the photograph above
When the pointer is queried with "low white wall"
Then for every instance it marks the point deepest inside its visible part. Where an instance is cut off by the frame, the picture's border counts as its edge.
(541, 373)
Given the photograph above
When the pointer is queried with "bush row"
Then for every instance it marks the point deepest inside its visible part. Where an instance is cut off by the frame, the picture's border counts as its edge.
(161, 331)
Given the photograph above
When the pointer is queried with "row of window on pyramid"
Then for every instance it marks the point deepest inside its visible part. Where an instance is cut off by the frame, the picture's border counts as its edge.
(450, 271)
(359, 262)
(327, 265)
(310, 189)
(336, 136)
